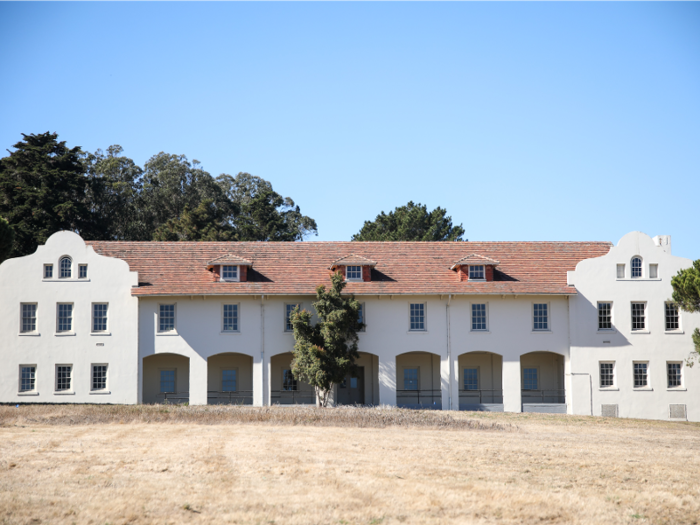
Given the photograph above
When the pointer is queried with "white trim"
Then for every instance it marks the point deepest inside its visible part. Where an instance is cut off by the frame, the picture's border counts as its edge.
(614, 376)
(32, 392)
(648, 385)
(644, 330)
(487, 330)
(230, 279)
(354, 279)
(58, 267)
(71, 390)
(36, 318)
(72, 320)
(469, 271)
(92, 320)
(424, 330)
(92, 372)
(612, 317)
(174, 329)
(238, 318)
(547, 330)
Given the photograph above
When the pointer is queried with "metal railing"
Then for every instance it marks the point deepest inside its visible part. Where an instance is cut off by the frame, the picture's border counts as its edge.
(237, 397)
(419, 397)
(173, 397)
(294, 397)
(480, 397)
(555, 396)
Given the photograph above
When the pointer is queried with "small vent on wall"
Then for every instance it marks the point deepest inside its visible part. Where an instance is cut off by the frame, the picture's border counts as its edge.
(608, 410)
(677, 412)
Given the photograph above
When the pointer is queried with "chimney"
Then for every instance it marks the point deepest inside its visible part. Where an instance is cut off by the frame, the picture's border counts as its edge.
(663, 242)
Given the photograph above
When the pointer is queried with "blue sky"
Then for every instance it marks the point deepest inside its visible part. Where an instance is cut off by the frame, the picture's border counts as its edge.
(526, 121)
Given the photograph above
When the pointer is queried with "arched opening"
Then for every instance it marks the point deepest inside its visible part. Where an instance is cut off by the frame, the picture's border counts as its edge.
(364, 388)
(542, 382)
(166, 378)
(230, 379)
(285, 390)
(636, 267)
(65, 268)
(480, 377)
(418, 380)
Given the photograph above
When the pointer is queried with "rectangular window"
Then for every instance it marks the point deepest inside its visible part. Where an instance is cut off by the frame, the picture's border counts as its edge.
(476, 273)
(64, 378)
(607, 374)
(638, 316)
(353, 273)
(620, 271)
(417, 316)
(673, 372)
(361, 315)
(48, 271)
(99, 317)
(410, 379)
(672, 317)
(27, 378)
(82, 271)
(167, 381)
(228, 381)
(541, 317)
(65, 317)
(530, 379)
(471, 379)
(99, 377)
(229, 273)
(166, 319)
(288, 380)
(653, 271)
(288, 309)
(479, 317)
(230, 318)
(28, 318)
(636, 266)
(641, 374)
(604, 316)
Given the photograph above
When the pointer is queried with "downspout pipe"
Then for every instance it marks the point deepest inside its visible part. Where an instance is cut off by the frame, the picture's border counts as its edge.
(449, 352)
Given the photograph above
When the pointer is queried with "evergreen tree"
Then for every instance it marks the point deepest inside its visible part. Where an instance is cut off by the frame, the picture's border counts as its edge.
(325, 353)
(686, 295)
(7, 239)
(412, 222)
(205, 223)
(42, 190)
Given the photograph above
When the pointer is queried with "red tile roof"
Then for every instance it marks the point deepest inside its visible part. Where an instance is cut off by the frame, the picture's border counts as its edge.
(286, 268)
(475, 258)
(352, 259)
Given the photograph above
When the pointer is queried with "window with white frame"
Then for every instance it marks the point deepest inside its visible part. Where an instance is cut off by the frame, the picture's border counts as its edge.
(471, 379)
(64, 378)
(82, 271)
(671, 314)
(99, 377)
(604, 316)
(353, 273)
(673, 373)
(28, 324)
(48, 271)
(636, 265)
(476, 272)
(653, 271)
(288, 309)
(641, 374)
(166, 318)
(167, 381)
(289, 382)
(479, 317)
(607, 374)
(99, 317)
(410, 379)
(230, 318)
(229, 273)
(65, 267)
(27, 378)
(530, 380)
(540, 317)
(417, 316)
(620, 271)
(229, 381)
(639, 316)
(64, 321)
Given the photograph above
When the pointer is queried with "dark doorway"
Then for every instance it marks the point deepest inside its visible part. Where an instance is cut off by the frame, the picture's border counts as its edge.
(352, 390)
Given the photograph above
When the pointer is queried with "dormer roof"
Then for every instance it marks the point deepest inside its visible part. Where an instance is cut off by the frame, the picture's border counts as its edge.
(230, 259)
(352, 260)
(475, 259)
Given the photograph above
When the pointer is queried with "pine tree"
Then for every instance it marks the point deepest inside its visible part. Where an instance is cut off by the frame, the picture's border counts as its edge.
(686, 295)
(7, 239)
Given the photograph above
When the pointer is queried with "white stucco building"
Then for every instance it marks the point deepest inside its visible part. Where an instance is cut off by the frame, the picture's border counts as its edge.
(582, 328)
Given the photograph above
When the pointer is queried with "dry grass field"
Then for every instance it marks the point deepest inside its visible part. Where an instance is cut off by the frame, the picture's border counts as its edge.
(87, 464)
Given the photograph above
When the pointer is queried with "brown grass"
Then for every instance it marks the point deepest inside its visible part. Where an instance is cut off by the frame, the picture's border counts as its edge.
(81, 464)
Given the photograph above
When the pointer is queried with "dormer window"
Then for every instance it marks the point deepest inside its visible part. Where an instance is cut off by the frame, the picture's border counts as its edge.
(65, 268)
(353, 273)
(476, 273)
(636, 265)
(229, 273)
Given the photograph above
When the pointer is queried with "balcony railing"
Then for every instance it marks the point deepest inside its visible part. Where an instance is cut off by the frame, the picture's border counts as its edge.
(238, 397)
(294, 397)
(173, 397)
(481, 397)
(427, 398)
(555, 396)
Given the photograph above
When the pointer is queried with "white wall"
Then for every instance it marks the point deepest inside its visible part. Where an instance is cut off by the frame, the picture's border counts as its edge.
(109, 281)
(595, 280)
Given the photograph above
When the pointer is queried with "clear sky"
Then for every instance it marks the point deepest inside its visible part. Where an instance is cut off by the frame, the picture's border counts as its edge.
(526, 121)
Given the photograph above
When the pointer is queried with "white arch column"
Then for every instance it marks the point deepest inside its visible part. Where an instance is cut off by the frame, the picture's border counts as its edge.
(387, 380)
(512, 396)
(198, 379)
